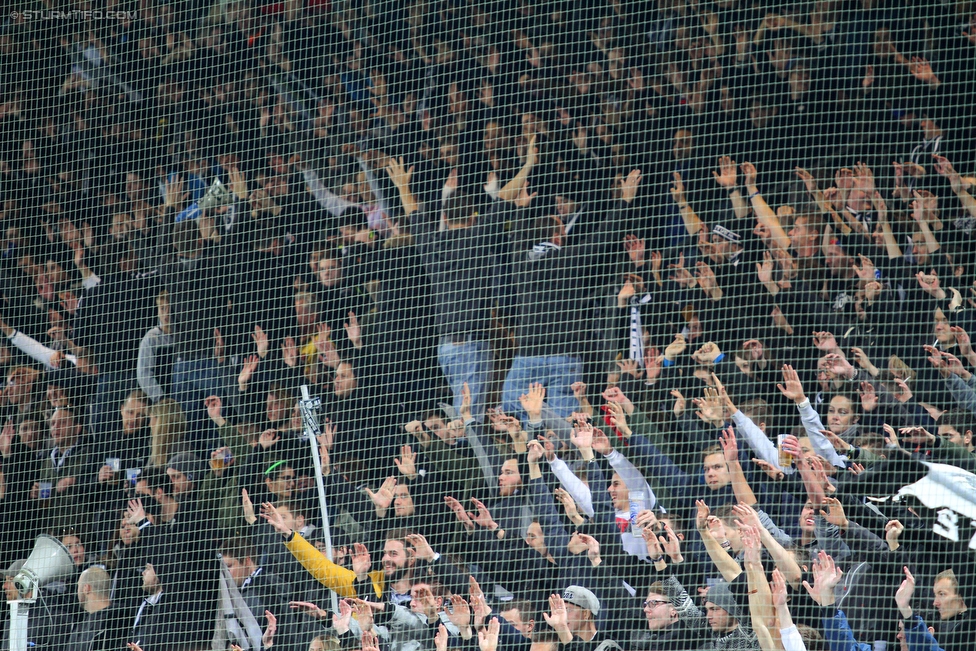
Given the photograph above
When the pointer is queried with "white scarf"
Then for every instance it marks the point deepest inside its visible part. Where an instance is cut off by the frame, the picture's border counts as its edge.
(235, 622)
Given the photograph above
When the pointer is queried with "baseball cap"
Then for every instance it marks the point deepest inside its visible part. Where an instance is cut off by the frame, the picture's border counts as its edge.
(580, 596)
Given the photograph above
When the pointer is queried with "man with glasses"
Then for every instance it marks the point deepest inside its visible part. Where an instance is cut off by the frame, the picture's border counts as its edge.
(673, 619)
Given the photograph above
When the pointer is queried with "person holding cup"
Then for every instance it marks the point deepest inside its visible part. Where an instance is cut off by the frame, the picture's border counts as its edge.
(59, 488)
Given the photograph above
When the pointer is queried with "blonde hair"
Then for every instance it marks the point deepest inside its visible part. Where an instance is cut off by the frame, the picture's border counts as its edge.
(896, 364)
(167, 430)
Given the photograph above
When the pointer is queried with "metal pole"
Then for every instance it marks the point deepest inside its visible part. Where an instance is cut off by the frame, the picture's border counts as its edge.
(19, 609)
(310, 424)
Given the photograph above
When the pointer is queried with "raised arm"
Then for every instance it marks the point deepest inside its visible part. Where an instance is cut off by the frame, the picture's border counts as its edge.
(692, 223)
(511, 189)
(748, 430)
(401, 180)
(891, 243)
(764, 214)
(920, 217)
(740, 486)
(726, 178)
(760, 598)
(785, 561)
(959, 186)
(792, 388)
(818, 196)
(726, 564)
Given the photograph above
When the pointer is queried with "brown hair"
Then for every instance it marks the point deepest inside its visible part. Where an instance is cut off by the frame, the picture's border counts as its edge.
(169, 429)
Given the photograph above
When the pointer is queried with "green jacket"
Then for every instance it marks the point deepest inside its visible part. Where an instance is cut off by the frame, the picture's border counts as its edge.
(222, 494)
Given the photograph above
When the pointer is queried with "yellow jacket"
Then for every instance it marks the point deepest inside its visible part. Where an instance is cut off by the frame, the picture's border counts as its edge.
(335, 577)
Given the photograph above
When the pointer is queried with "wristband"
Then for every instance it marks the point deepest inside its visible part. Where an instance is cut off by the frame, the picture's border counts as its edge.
(667, 362)
(656, 560)
(719, 358)
(732, 189)
(754, 194)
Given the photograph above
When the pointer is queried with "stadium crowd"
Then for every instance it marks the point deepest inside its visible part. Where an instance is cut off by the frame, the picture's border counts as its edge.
(636, 325)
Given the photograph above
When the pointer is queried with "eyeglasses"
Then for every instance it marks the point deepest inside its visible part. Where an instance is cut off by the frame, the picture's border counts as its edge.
(653, 603)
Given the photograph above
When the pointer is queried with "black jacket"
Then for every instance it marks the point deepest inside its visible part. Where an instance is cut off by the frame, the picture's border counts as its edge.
(461, 267)
(553, 285)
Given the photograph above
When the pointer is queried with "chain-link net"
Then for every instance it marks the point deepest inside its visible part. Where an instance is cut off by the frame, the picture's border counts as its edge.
(633, 325)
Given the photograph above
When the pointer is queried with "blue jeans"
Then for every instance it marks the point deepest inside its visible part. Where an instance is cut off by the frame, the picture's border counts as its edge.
(469, 362)
(557, 374)
(194, 380)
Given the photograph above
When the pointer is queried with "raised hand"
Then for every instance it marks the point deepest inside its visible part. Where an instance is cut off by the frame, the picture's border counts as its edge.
(532, 401)
(903, 596)
(826, 576)
(618, 419)
(406, 464)
(681, 275)
(750, 173)
(835, 514)
(465, 411)
(441, 637)
(678, 189)
(370, 641)
(248, 507)
(869, 398)
(893, 531)
(808, 180)
(778, 588)
(267, 640)
(361, 562)
(582, 436)
(268, 438)
(247, 370)
(944, 167)
(751, 544)
(864, 361)
(921, 69)
(134, 512)
(488, 637)
(930, 283)
(729, 445)
(384, 496)
(579, 390)
(864, 178)
(260, 338)
(353, 330)
(271, 515)
(459, 512)
(557, 618)
(629, 185)
(535, 452)
(747, 515)
(771, 471)
(310, 609)
(725, 176)
(422, 549)
(289, 352)
(701, 515)
(460, 614)
(483, 518)
(825, 341)
(710, 408)
(399, 176)
(792, 388)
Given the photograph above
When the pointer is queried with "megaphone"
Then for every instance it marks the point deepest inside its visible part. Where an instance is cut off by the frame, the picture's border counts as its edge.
(49, 561)
(216, 196)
